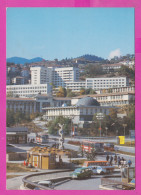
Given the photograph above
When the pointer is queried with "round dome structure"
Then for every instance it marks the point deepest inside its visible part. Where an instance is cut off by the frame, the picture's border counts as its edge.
(87, 101)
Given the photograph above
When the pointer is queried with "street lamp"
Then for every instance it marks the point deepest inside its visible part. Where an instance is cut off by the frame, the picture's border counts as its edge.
(99, 117)
(106, 130)
(124, 125)
(71, 125)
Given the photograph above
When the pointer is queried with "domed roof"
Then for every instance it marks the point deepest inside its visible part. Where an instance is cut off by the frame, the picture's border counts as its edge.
(87, 101)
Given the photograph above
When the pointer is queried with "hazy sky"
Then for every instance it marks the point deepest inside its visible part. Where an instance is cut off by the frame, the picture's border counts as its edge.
(69, 32)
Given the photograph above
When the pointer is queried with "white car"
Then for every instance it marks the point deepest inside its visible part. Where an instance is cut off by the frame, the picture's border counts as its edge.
(102, 169)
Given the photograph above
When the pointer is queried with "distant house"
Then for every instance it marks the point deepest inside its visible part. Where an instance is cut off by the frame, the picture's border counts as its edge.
(16, 135)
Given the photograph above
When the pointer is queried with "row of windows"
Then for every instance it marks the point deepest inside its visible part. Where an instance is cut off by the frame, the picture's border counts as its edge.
(92, 80)
(18, 88)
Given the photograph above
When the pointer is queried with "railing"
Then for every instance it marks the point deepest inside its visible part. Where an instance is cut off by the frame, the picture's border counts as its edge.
(29, 181)
(115, 184)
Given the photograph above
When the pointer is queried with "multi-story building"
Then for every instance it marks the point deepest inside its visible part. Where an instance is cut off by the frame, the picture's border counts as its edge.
(81, 114)
(41, 75)
(111, 67)
(36, 104)
(115, 90)
(18, 80)
(106, 82)
(25, 72)
(76, 86)
(27, 90)
(110, 99)
(63, 75)
(55, 76)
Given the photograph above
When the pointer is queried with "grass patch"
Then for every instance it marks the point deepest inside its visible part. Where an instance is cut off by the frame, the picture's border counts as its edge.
(12, 176)
(16, 167)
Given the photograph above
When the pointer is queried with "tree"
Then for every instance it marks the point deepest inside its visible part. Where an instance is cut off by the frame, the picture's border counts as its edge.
(82, 91)
(61, 92)
(70, 93)
(54, 127)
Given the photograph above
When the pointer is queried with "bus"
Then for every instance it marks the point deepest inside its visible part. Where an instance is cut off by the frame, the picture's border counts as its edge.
(42, 138)
(87, 146)
(95, 163)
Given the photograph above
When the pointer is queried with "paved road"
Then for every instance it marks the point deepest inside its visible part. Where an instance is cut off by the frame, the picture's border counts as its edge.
(85, 184)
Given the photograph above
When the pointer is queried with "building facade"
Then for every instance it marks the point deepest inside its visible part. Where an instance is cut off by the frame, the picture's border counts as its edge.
(16, 135)
(80, 114)
(110, 99)
(55, 76)
(106, 82)
(36, 104)
(75, 86)
(27, 90)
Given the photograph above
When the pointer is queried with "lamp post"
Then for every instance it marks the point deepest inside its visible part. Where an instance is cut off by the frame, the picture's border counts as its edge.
(71, 125)
(124, 125)
(99, 117)
(106, 130)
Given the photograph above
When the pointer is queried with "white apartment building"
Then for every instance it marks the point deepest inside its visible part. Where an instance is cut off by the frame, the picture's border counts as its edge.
(56, 76)
(41, 75)
(27, 90)
(106, 82)
(63, 75)
(76, 86)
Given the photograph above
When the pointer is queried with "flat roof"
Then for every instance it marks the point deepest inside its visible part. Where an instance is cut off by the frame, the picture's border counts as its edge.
(17, 129)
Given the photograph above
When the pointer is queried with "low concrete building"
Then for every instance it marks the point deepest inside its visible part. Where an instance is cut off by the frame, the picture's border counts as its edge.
(16, 135)
(81, 113)
(35, 104)
(110, 99)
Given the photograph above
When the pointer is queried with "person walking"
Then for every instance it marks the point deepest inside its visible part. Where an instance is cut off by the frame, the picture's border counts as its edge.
(118, 161)
(111, 160)
(107, 157)
(115, 159)
(129, 163)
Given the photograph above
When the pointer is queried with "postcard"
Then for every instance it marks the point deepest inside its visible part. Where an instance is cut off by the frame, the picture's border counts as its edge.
(69, 114)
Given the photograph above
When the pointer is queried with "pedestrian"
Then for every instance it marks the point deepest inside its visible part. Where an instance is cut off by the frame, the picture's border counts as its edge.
(129, 162)
(122, 161)
(111, 160)
(118, 161)
(107, 157)
(115, 159)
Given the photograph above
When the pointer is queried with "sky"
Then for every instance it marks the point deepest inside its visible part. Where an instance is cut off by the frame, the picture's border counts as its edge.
(69, 32)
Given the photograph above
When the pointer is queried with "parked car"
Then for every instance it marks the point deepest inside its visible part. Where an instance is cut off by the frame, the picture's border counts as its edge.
(81, 173)
(102, 169)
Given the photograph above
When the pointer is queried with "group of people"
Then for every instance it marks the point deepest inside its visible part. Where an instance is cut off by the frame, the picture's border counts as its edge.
(118, 160)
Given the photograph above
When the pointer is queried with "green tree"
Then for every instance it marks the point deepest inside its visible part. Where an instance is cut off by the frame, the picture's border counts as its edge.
(61, 92)
(54, 127)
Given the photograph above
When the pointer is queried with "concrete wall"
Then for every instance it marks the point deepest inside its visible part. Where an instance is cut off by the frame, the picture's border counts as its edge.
(16, 156)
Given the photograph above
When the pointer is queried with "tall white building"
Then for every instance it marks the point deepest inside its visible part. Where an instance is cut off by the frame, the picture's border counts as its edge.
(106, 82)
(56, 76)
(63, 75)
(41, 75)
